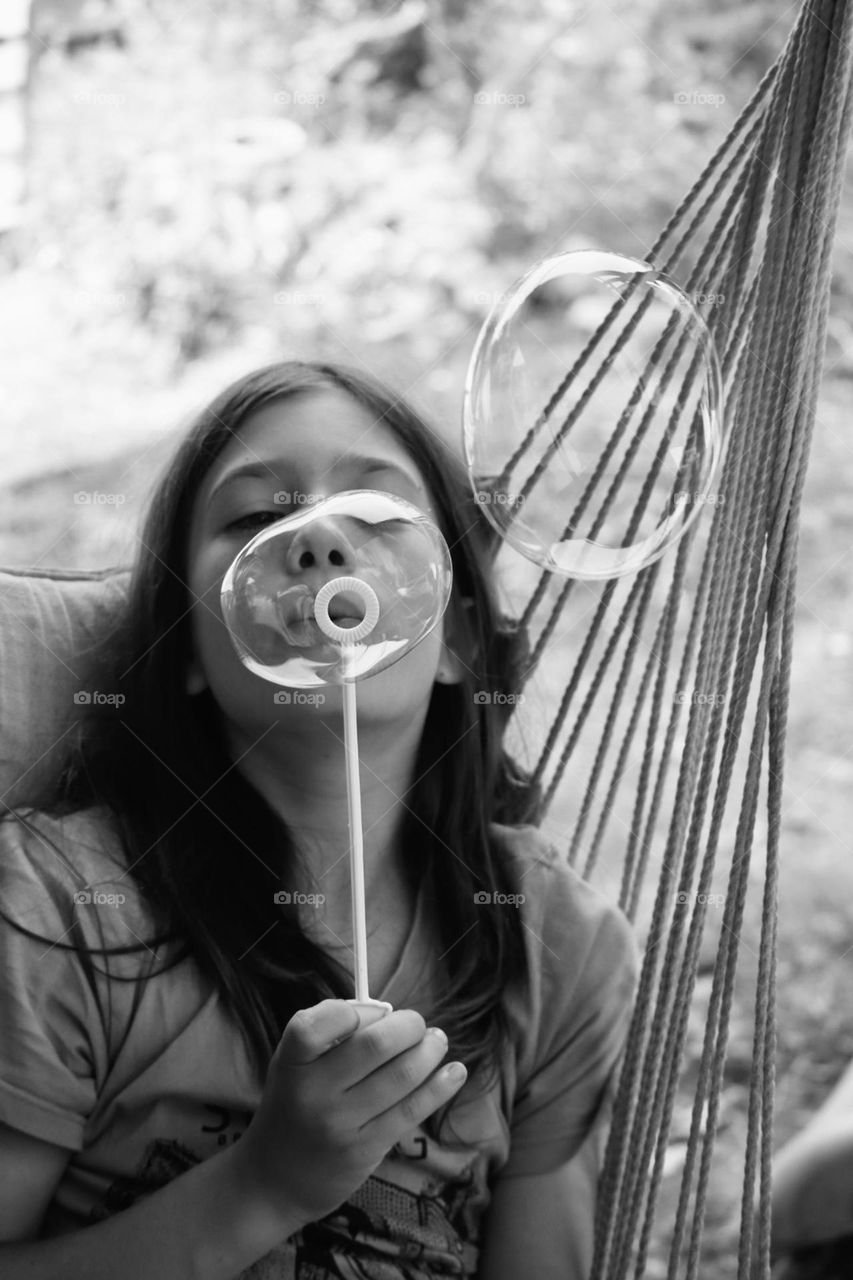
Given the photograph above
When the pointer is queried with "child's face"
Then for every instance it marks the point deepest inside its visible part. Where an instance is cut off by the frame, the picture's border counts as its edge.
(312, 444)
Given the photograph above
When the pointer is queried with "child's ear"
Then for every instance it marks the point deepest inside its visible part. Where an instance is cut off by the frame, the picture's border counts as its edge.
(457, 659)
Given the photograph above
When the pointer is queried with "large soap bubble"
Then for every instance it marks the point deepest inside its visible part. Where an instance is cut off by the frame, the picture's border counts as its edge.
(339, 591)
(592, 414)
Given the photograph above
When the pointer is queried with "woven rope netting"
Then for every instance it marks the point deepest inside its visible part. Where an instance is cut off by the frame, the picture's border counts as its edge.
(715, 615)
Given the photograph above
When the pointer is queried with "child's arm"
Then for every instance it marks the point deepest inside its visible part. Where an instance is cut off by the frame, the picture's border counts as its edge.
(542, 1225)
(570, 1033)
(337, 1098)
(207, 1224)
(30, 1172)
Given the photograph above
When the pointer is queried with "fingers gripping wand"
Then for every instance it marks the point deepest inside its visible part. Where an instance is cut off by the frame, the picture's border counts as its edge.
(347, 638)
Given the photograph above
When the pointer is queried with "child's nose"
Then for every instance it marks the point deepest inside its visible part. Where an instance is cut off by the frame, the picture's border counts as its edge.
(321, 548)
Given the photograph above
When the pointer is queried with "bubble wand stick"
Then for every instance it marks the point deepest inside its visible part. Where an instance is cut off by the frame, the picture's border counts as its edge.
(282, 628)
(348, 637)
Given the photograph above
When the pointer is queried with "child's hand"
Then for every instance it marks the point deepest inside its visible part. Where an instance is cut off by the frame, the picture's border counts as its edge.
(345, 1083)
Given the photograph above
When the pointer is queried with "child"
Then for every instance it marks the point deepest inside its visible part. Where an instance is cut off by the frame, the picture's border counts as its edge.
(812, 1235)
(184, 1090)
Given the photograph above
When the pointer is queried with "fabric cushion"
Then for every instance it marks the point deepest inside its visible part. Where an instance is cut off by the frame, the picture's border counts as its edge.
(49, 620)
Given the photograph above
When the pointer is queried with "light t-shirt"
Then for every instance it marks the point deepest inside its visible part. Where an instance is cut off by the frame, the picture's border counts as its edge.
(165, 1081)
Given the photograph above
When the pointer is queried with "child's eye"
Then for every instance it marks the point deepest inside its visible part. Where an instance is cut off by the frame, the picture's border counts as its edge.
(254, 519)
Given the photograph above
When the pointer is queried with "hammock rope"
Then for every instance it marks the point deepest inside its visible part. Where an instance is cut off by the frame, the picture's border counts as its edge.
(774, 186)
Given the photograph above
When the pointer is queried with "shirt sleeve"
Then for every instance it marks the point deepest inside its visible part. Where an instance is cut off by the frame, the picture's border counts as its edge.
(52, 1044)
(584, 964)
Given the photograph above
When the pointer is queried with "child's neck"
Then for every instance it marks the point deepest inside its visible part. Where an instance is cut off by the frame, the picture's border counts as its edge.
(303, 777)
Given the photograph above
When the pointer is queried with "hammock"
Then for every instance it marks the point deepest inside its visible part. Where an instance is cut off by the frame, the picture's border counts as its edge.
(763, 211)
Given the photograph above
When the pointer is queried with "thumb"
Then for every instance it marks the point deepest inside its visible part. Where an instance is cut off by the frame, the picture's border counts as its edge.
(312, 1032)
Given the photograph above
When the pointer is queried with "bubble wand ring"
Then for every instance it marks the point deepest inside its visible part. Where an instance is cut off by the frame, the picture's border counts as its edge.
(357, 587)
(347, 637)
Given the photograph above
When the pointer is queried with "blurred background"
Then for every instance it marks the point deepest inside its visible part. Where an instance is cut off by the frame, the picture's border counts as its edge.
(190, 190)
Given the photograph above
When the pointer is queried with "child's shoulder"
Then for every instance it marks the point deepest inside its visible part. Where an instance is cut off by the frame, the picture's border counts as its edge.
(52, 863)
(564, 914)
(85, 840)
(527, 845)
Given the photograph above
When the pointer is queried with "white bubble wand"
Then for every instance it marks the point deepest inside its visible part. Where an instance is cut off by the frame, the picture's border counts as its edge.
(347, 638)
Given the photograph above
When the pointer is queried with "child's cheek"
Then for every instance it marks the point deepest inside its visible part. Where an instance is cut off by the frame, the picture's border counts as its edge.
(207, 574)
(209, 630)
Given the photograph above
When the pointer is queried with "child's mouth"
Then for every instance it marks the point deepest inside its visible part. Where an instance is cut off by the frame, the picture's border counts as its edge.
(346, 610)
(299, 626)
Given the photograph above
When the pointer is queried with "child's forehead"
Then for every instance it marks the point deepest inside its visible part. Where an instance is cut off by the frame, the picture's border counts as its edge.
(320, 441)
(316, 426)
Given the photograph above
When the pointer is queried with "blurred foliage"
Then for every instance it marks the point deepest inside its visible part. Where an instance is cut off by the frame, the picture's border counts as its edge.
(383, 172)
(217, 186)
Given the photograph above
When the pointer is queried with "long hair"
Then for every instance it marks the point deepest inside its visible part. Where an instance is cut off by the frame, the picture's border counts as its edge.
(150, 761)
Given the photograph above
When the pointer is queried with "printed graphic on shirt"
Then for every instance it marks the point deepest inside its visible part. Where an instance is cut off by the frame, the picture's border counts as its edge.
(227, 1124)
(416, 1218)
(164, 1160)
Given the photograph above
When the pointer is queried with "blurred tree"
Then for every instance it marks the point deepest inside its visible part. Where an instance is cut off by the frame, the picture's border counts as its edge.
(15, 64)
(378, 171)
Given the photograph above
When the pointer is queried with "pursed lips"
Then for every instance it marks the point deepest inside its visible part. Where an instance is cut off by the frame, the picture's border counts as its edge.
(344, 608)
